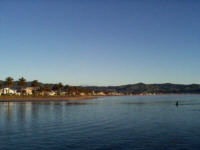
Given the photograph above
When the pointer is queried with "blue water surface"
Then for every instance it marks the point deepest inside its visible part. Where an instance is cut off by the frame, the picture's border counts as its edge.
(107, 123)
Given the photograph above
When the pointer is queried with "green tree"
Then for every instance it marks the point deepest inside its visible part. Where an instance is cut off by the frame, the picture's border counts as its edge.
(58, 87)
(76, 90)
(45, 88)
(22, 83)
(69, 90)
(1, 84)
(35, 85)
(9, 82)
(55, 87)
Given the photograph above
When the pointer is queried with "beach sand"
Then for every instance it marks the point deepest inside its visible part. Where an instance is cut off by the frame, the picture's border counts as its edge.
(43, 98)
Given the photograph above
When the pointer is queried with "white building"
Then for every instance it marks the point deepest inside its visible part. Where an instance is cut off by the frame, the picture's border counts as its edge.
(82, 94)
(28, 90)
(9, 91)
(101, 93)
(63, 93)
(52, 93)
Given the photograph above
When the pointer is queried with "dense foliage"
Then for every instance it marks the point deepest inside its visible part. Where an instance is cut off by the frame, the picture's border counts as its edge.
(125, 89)
(38, 87)
(150, 88)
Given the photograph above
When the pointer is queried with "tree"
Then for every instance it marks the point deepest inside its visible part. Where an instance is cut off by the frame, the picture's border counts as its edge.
(1, 84)
(69, 90)
(22, 83)
(45, 88)
(76, 90)
(9, 83)
(55, 87)
(35, 85)
(58, 87)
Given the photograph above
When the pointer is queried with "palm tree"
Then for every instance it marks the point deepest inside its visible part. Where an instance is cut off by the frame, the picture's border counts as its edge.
(46, 88)
(35, 85)
(67, 89)
(55, 87)
(76, 90)
(22, 83)
(1, 84)
(9, 83)
(58, 87)
(70, 91)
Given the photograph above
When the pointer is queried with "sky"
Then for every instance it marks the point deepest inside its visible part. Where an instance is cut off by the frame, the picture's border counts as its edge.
(100, 42)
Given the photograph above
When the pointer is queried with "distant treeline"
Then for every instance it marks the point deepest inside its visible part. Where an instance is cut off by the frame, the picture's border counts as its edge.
(149, 88)
(38, 87)
(125, 89)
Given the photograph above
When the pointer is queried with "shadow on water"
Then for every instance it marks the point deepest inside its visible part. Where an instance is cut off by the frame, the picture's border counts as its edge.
(8, 104)
(21, 110)
(62, 103)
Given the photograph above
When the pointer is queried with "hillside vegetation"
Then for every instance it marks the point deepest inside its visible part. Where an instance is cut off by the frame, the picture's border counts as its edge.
(149, 88)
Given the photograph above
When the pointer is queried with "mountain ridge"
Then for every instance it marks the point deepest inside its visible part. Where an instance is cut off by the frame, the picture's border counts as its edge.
(149, 88)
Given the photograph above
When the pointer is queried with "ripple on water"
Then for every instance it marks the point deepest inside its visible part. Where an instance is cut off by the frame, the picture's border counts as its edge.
(151, 123)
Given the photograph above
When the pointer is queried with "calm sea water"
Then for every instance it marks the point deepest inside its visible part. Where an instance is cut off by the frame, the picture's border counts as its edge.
(109, 123)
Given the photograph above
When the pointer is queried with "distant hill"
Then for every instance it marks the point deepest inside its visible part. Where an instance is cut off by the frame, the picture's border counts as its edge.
(138, 88)
(149, 88)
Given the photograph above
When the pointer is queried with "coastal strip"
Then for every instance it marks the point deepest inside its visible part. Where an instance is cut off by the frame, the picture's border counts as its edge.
(44, 98)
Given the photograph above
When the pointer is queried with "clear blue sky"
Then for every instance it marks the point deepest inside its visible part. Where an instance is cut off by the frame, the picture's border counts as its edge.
(100, 42)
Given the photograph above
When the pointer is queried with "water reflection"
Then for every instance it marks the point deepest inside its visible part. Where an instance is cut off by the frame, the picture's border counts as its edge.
(34, 111)
(107, 123)
(22, 110)
(9, 111)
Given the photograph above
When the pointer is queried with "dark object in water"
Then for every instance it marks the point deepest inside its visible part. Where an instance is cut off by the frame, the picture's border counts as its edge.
(177, 103)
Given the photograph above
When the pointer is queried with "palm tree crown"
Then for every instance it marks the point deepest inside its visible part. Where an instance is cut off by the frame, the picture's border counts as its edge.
(46, 88)
(9, 82)
(35, 84)
(22, 82)
(58, 87)
(1, 84)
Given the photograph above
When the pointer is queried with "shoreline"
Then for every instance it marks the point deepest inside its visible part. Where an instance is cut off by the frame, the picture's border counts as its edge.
(71, 98)
(43, 98)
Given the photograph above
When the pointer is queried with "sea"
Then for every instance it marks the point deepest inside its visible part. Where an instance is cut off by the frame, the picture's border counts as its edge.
(106, 123)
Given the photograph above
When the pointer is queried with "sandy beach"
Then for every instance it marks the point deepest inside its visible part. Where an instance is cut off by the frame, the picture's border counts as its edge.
(43, 98)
